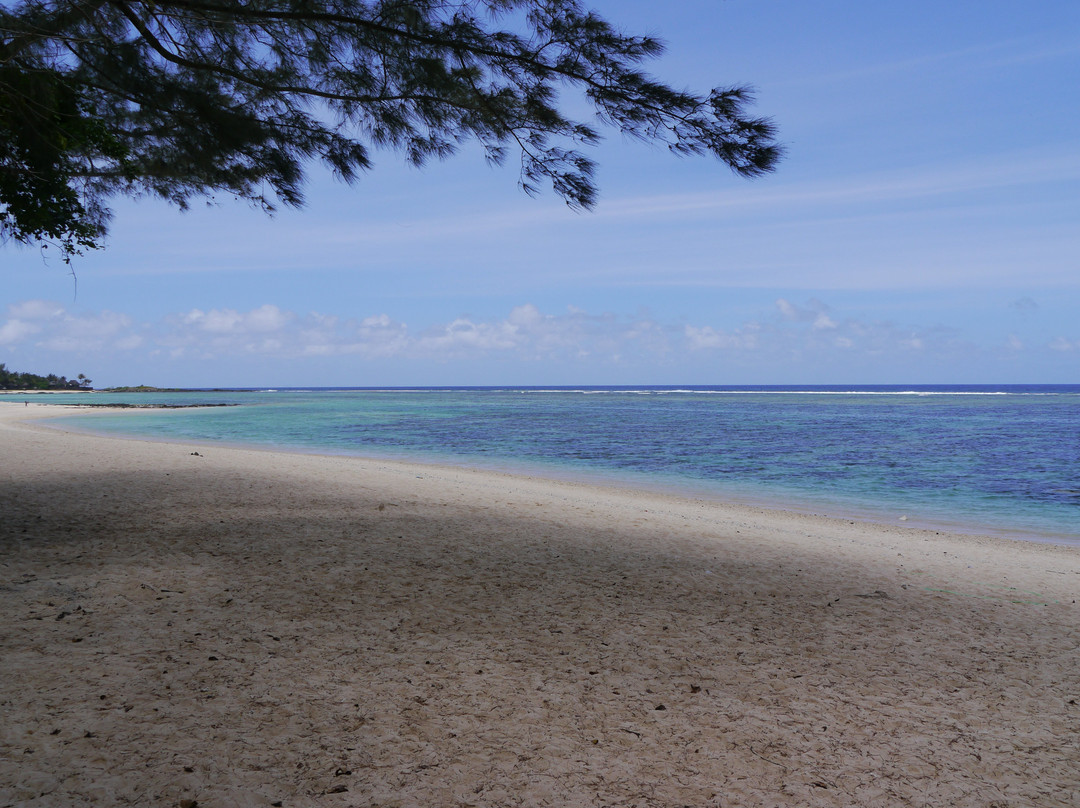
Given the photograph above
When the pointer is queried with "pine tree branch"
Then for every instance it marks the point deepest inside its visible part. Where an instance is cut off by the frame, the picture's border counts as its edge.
(49, 29)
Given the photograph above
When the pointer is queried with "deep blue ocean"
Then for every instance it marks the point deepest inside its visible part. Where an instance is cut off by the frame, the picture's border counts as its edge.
(1003, 459)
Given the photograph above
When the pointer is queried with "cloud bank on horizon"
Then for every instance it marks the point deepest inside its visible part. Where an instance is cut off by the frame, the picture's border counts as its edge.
(924, 228)
(283, 347)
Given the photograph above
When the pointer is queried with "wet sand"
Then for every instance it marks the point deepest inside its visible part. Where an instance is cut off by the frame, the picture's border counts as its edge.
(239, 627)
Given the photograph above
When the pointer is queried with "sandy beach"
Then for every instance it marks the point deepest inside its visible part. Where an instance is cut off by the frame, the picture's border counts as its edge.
(191, 625)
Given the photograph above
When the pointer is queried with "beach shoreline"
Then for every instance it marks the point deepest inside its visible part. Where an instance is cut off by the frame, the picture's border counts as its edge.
(243, 627)
(798, 503)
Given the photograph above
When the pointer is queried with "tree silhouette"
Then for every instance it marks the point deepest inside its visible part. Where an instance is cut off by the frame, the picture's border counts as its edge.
(194, 97)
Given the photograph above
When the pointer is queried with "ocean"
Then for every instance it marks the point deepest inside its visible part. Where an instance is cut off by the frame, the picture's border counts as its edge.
(998, 459)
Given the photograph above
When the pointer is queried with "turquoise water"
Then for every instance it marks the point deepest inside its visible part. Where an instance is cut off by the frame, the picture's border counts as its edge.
(1002, 459)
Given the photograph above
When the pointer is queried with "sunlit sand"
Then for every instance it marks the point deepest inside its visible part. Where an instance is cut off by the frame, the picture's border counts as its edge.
(232, 627)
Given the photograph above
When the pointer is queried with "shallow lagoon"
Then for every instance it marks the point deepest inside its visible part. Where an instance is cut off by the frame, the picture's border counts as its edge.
(1002, 459)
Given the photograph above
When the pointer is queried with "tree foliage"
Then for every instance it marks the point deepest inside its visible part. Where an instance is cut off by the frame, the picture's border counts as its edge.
(189, 98)
(14, 380)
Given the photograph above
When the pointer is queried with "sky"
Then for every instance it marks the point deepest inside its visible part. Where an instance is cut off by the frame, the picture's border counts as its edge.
(924, 227)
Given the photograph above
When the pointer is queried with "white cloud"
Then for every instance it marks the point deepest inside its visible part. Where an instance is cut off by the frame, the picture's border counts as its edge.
(707, 337)
(527, 316)
(798, 335)
(48, 325)
(93, 328)
(14, 331)
(27, 318)
(814, 312)
(823, 321)
(130, 342)
(806, 335)
(528, 334)
(379, 321)
(35, 310)
(266, 318)
(525, 334)
(464, 336)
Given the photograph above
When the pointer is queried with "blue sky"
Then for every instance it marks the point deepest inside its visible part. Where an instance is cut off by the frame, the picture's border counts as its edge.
(923, 228)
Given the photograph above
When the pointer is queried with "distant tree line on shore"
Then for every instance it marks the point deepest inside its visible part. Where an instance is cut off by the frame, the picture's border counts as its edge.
(13, 380)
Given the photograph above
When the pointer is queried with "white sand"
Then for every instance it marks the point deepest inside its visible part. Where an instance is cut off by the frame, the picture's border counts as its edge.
(251, 628)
